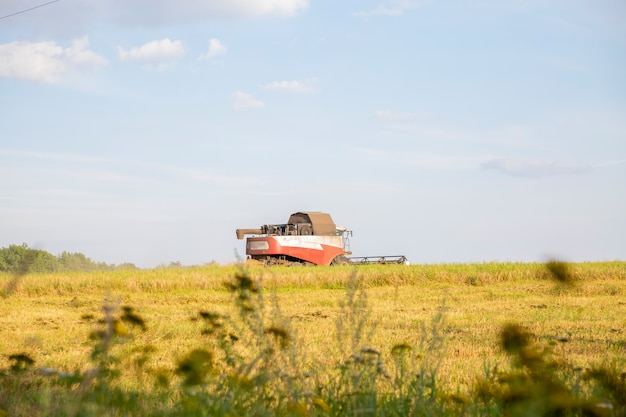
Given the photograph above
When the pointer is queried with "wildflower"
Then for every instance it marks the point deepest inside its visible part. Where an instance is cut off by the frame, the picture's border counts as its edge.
(129, 316)
(321, 404)
(281, 335)
(195, 366)
(514, 338)
(560, 271)
(22, 361)
(401, 349)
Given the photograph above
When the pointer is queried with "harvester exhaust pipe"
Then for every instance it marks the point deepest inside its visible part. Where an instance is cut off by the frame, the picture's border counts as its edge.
(242, 232)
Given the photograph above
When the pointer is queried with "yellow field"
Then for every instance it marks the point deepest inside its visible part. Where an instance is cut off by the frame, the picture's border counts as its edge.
(49, 317)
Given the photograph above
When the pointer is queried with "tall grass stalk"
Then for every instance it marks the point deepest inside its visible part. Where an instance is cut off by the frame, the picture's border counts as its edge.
(231, 348)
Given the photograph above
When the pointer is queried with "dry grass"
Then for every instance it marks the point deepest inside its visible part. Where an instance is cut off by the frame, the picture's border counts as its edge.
(50, 316)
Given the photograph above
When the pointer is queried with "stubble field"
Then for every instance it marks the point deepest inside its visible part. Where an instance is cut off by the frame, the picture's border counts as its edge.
(449, 317)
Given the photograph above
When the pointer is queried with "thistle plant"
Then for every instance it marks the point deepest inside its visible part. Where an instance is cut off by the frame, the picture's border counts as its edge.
(227, 377)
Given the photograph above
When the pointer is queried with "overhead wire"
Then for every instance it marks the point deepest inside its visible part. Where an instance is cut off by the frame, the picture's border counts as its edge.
(28, 10)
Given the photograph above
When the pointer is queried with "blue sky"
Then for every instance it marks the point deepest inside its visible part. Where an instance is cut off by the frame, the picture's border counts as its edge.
(447, 131)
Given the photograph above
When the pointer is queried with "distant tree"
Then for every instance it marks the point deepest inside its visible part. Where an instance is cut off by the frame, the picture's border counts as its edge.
(75, 262)
(171, 265)
(175, 265)
(103, 266)
(20, 259)
(12, 257)
(42, 262)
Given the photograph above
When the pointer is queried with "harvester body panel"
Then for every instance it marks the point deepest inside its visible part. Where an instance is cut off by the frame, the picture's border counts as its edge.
(318, 250)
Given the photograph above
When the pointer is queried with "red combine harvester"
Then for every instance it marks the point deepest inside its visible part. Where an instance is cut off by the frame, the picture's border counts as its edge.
(308, 238)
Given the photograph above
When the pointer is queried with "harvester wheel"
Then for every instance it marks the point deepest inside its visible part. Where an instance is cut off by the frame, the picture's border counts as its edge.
(306, 230)
(340, 260)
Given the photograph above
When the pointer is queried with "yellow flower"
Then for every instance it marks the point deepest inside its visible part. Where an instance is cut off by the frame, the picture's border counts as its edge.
(321, 404)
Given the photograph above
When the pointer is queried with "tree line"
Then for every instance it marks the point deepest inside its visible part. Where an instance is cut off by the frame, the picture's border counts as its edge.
(20, 259)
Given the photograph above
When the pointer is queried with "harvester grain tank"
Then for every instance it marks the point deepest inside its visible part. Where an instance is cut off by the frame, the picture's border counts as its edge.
(308, 237)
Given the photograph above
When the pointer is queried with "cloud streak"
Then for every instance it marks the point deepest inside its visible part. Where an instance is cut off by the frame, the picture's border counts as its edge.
(89, 168)
(533, 168)
(51, 156)
(295, 86)
(220, 179)
(433, 161)
(386, 115)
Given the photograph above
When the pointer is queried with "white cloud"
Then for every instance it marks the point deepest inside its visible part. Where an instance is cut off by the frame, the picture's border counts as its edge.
(533, 168)
(282, 8)
(389, 8)
(154, 52)
(306, 86)
(46, 61)
(84, 14)
(163, 11)
(215, 48)
(243, 101)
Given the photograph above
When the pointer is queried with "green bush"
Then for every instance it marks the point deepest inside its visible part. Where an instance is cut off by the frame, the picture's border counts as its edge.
(21, 260)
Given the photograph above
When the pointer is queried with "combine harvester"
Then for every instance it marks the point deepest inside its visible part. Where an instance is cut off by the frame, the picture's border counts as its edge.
(308, 238)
